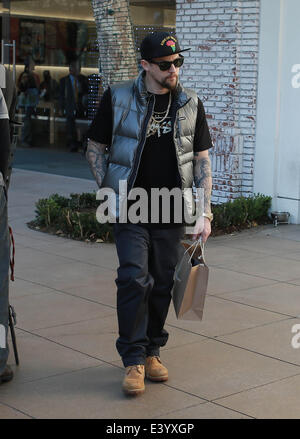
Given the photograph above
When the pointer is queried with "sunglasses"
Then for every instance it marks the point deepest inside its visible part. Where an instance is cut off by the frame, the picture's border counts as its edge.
(166, 65)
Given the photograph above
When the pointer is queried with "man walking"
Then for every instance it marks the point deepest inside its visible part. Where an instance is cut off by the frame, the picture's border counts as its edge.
(151, 133)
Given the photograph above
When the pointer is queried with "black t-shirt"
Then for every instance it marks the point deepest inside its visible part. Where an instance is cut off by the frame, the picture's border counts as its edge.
(158, 166)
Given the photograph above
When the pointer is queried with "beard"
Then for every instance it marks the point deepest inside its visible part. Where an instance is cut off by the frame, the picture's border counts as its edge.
(169, 85)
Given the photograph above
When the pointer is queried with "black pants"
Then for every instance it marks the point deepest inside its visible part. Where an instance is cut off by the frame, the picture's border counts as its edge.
(147, 260)
(27, 129)
(71, 130)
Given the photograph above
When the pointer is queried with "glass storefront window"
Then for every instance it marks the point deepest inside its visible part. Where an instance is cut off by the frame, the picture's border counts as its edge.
(68, 10)
(156, 13)
(50, 34)
(55, 32)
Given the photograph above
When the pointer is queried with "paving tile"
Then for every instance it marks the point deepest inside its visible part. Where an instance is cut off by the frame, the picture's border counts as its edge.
(93, 393)
(295, 281)
(31, 236)
(204, 411)
(270, 267)
(281, 297)
(27, 258)
(274, 340)
(11, 413)
(65, 276)
(53, 309)
(278, 400)
(20, 288)
(100, 254)
(41, 358)
(291, 232)
(24, 181)
(222, 281)
(212, 369)
(20, 211)
(220, 254)
(284, 231)
(103, 292)
(97, 337)
(224, 317)
(101, 288)
(265, 245)
(290, 255)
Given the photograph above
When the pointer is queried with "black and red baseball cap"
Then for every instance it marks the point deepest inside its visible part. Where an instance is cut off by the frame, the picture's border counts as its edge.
(159, 44)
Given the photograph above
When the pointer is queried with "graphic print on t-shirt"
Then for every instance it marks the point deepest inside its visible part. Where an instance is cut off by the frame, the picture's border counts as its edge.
(159, 128)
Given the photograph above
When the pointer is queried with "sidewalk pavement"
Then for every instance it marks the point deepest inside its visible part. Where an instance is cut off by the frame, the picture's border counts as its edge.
(238, 362)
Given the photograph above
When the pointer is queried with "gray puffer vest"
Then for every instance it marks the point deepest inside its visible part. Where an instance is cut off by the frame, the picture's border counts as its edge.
(132, 110)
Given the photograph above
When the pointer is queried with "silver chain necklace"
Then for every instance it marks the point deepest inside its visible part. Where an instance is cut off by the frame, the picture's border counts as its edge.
(163, 113)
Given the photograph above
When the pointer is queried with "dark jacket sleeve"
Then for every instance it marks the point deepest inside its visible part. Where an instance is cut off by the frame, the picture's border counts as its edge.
(4, 146)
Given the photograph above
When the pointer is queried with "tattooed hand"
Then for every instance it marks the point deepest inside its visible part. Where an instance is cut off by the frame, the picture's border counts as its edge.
(97, 160)
(202, 228)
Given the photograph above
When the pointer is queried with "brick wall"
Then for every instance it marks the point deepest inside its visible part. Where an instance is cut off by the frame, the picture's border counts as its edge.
(222, 68)
(116, 41)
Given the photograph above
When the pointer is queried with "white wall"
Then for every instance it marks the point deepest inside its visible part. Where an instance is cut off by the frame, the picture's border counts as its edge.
(277, 155)
(222, 68)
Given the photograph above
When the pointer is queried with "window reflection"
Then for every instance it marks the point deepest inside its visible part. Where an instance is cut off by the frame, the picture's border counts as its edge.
(50, 35)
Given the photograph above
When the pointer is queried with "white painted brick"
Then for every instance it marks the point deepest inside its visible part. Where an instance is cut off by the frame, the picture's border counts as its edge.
(223, 38)
(211, 17)
(189, 12)
(218, 10)
(197, 17)
(250, 29)
(211, 4)
(226, 4)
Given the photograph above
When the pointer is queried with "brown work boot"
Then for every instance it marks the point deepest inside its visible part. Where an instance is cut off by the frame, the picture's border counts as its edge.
(155, 371)
(133, 383)
(6, 375)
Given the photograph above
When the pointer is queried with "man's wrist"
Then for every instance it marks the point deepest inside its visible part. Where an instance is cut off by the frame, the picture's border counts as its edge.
(208, 215)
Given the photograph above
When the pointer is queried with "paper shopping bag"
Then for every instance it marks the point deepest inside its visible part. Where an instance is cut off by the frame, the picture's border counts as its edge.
(190, 282)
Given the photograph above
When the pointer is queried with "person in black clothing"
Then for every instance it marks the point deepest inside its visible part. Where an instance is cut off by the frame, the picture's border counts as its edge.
(73, 102)
(28, 89)
(148, 251)
(49, 88)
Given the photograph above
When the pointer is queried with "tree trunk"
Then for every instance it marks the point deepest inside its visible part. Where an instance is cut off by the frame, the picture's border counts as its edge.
(117, 51)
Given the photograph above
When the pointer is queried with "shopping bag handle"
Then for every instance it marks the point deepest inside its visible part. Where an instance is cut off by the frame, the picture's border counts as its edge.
(195, 244)
(201, 244)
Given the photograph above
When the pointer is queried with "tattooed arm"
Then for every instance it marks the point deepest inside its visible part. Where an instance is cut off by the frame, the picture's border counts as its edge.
(203, 179)
(95, 155)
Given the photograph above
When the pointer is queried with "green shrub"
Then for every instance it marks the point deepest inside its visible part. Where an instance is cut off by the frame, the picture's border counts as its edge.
(242, 211)
(75, 216)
